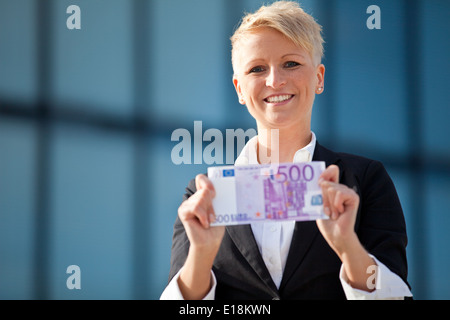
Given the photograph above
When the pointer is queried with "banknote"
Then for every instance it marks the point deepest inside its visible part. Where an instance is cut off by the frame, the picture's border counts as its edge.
(251, 193)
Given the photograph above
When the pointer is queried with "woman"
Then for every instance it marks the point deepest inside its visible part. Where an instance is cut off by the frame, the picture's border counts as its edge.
(358, 253)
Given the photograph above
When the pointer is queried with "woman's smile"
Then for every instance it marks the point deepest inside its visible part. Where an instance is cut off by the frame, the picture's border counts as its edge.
(278, 99)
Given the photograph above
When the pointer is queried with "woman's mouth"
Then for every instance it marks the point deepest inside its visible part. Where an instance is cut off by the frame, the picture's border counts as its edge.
(279, 98)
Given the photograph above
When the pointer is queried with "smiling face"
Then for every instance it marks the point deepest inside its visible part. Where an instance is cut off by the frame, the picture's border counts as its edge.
(276, 79)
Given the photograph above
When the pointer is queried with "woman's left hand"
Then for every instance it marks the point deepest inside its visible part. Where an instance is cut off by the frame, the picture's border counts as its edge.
(341, 205)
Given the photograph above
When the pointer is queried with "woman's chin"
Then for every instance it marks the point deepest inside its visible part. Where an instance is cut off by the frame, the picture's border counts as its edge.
(280, 120)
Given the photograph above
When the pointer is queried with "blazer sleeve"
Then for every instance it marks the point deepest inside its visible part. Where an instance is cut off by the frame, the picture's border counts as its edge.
(381, 227)
(180, 241)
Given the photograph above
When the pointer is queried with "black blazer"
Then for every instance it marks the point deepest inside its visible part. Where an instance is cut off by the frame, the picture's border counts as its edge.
(312, 267)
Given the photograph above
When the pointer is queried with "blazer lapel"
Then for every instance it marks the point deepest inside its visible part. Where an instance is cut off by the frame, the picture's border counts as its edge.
(244, 240)
(323, 154)
(304, 234)
(306, 231)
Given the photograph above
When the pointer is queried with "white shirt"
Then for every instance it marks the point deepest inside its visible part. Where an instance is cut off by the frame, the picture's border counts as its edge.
(274, 239)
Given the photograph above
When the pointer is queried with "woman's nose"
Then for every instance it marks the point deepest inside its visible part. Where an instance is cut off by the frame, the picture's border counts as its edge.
(275, 78)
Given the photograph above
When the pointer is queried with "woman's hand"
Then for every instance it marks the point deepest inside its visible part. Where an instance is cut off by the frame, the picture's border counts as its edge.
(196, 214)
(341, 203)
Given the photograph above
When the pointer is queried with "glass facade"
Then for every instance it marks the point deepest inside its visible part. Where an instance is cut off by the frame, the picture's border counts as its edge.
(86, 118)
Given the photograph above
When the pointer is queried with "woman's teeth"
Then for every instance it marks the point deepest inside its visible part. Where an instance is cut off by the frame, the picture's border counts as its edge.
(277, 99)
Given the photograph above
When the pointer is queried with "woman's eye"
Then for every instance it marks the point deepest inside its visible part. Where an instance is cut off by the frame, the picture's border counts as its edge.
(291, 64)
(256, 69)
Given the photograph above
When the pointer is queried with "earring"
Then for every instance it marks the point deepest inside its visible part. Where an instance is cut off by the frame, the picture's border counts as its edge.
(319, 89)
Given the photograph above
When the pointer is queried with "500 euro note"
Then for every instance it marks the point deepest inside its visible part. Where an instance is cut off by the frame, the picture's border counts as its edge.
(277, 192)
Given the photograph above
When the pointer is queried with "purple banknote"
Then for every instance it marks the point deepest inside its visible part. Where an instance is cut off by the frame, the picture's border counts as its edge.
(285, 191)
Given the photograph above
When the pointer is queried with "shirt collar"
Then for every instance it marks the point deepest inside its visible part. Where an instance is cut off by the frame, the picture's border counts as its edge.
(248, 154)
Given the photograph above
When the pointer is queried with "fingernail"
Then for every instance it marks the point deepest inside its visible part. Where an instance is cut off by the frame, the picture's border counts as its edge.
(326, 210)
(212, 218)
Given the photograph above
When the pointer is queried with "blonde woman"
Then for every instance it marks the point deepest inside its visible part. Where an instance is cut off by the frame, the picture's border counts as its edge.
(359, 253)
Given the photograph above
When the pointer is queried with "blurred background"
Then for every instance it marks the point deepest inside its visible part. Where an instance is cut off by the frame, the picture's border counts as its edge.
(86, 118)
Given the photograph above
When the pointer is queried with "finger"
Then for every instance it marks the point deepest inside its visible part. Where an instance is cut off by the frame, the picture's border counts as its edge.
(203, 182)
(332, 191)
(330, 174)
(339, 201)
(198, 207)
(344, 198)
(341, 197)
(204, 208)
(329, 191)
(325, 198)
(195, 218)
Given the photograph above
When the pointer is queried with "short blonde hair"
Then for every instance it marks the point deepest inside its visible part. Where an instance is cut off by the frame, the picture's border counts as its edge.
(288, 18)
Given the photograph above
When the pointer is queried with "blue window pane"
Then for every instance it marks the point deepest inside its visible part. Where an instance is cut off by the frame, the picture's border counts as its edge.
(18, 51)
(369, 71)
(436, 228)
(436, 76)
(402, 180)
(92, 213)
(190, 55)
(17, 209)
(92, 69)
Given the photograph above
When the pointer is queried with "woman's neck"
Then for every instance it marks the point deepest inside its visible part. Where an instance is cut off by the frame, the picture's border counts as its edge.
(280, 145)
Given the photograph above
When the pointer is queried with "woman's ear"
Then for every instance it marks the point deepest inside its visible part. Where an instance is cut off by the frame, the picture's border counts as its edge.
(238, 90)
(320, 72)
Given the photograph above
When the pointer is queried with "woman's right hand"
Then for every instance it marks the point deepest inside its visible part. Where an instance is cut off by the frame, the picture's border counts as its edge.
(196, 214)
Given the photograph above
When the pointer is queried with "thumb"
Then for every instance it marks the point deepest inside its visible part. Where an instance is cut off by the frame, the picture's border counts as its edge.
(203, 182)
(330, 174)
